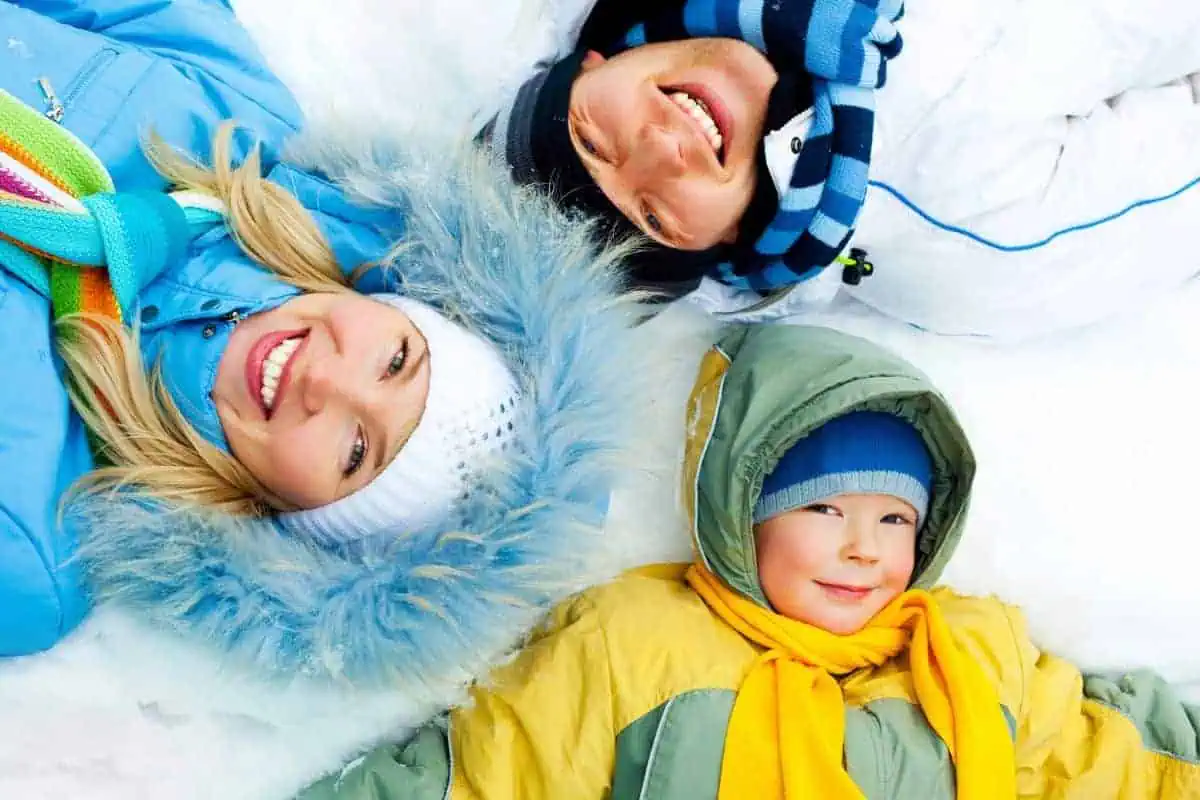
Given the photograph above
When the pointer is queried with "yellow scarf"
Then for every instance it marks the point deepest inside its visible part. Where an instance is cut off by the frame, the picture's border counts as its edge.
(788, 725)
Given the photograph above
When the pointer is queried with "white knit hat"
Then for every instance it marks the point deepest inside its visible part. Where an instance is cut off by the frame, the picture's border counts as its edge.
(468, 421)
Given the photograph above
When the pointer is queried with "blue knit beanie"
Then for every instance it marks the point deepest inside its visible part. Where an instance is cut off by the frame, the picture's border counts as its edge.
(864, 452)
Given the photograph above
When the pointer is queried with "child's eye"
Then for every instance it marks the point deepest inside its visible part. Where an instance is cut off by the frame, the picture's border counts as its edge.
(358, 453)
(821, 508)
(654, 223)
(897, 519)
(587, 145)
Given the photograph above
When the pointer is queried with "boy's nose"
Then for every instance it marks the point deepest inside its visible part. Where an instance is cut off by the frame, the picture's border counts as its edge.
(863, 544)
(659, 156)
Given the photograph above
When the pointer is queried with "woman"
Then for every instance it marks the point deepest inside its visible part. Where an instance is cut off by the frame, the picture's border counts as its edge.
(373, 487)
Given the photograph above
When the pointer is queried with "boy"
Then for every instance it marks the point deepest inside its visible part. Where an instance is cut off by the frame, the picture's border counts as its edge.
(1001, 127)
(800, 655)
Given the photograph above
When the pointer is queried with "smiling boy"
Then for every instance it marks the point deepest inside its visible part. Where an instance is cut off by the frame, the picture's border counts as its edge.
(668, 138)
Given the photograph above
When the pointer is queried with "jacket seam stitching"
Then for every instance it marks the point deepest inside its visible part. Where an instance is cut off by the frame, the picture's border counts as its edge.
(658, 731)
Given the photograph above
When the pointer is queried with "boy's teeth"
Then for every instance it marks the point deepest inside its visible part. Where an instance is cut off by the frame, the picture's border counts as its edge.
(698, 111)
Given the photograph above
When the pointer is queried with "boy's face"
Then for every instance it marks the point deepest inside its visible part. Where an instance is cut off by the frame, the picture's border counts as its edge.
(837, 563)
(669, 132)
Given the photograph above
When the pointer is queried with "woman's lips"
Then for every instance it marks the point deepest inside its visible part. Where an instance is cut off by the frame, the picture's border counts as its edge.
(256, 360)
(841, 591)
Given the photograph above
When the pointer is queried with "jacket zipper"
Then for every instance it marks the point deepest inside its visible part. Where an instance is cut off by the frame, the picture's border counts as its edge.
(56, 108)
(90, 70)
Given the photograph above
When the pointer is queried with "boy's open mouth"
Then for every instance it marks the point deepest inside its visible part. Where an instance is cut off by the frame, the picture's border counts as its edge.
(706, 112)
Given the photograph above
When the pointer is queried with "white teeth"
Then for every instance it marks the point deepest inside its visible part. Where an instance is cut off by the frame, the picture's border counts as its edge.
(698, 111)
(273, 366)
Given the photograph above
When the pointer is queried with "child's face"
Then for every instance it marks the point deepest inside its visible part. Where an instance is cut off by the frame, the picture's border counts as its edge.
(681, 173)
(837, 563)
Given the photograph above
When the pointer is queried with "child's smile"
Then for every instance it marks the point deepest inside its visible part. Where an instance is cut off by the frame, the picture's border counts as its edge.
(844, 593)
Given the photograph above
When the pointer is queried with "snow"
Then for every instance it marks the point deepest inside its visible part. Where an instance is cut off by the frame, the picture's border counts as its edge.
(1083, 514)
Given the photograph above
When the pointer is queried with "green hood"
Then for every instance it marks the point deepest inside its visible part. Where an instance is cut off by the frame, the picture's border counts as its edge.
(763, 388)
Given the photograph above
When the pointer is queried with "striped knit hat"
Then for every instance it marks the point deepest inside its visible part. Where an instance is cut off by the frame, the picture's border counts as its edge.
(864, 452)
(831, 55)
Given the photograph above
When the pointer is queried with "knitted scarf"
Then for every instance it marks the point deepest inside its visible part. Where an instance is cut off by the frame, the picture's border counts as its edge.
(67, 234)
(787, 730)
(44, 168)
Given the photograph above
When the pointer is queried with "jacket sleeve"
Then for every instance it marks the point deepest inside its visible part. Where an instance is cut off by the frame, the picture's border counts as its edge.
(1146, 140)
(1126, 737)
(202, 39)
(540, 729)
(42, 451)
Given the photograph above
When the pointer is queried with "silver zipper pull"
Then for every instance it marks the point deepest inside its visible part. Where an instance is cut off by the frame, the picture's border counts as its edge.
(54, 106)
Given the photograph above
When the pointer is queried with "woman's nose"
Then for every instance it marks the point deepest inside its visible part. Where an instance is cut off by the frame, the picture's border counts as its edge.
(319, 384)
(335, 380)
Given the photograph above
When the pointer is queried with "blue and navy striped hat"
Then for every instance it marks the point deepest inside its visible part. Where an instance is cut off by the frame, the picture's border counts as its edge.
(864, 452)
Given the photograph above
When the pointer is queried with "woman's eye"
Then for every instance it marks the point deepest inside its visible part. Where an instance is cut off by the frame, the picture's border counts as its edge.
(398, 361)
(358, 453)
(653, 222)
(587, 145)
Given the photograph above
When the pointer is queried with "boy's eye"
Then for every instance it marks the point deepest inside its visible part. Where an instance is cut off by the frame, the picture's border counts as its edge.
(821, 508)
(654, 223)
(358, 453)
(897, 519)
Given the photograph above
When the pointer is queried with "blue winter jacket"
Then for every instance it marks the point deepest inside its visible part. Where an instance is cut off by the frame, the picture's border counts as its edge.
(110, 70)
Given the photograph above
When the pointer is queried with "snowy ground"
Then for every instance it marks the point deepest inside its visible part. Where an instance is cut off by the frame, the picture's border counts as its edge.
(1083, 512)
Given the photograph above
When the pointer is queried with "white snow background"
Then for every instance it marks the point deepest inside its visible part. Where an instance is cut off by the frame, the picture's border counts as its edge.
(1086, 511)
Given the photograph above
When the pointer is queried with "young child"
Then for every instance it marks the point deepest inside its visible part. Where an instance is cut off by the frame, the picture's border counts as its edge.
(802, 654)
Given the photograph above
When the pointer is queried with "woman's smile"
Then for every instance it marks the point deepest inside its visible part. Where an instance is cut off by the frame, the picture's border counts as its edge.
(269, 366)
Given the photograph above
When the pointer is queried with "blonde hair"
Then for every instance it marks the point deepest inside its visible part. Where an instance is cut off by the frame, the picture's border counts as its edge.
(142, 438)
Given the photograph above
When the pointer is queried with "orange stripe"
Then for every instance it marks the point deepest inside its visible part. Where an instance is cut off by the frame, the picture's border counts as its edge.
(96, 294)
(22, 155)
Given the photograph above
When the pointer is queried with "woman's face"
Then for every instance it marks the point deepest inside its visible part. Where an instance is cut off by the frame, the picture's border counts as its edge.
(669, 132)
(317, 395)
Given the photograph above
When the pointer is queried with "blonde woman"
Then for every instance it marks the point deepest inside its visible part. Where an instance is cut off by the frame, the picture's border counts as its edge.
(315, 477)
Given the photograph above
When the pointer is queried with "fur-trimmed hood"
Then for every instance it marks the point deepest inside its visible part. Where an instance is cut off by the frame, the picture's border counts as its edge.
(420, 610)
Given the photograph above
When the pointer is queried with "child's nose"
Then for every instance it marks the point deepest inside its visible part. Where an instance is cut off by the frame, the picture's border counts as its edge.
(863, 543)
(660, 156)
